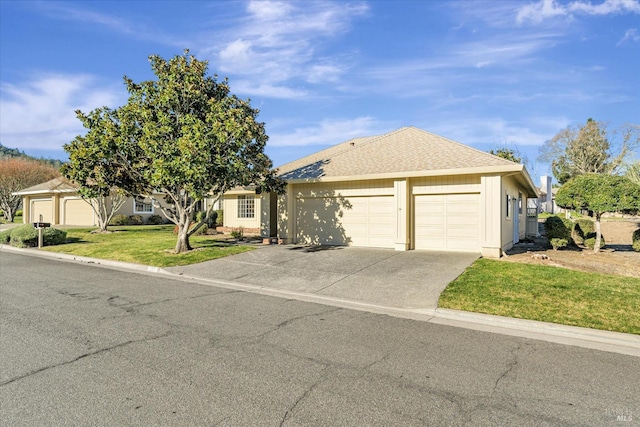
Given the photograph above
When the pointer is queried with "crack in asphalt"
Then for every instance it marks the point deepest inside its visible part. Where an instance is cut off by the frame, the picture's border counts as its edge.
(510, 366)
(83, 356)
(304, 395)
(292, 320)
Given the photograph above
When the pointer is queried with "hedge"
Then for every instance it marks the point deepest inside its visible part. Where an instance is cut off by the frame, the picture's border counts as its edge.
(27, 236)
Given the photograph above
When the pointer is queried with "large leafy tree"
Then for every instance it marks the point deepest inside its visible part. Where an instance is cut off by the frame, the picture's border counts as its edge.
(507, 153)
(574, 151)
(195, 138)
(17, 173)
(103, 162)
(632, 171)
(601, 194)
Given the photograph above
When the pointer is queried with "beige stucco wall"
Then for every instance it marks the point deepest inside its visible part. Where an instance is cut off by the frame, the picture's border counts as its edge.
(511, 187)
(230, 207)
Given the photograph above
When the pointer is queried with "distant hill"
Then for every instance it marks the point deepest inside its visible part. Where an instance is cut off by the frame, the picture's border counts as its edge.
(14, 152)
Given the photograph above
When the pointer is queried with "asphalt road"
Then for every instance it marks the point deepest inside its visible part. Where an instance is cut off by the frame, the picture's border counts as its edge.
(82, 345)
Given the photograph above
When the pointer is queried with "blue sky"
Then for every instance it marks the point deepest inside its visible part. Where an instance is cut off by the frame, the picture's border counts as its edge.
(485, 73)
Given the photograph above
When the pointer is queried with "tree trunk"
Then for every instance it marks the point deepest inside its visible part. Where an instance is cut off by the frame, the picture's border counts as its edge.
(182, 245)
(596, 246)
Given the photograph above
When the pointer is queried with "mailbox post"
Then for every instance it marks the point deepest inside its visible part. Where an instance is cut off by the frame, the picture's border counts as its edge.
(40, 226)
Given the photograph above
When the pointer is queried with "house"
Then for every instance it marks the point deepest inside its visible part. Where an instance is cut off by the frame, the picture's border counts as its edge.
(407, 189)
(57, 202)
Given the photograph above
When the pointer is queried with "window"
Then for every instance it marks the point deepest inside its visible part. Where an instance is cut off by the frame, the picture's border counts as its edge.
(142, 205)
(508, 206)
(246, 207)
(520, 203)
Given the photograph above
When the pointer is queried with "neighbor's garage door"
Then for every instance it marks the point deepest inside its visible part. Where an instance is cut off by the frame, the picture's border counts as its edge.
(357, 221)
(42, 207)
(447, 222)
(77, 212)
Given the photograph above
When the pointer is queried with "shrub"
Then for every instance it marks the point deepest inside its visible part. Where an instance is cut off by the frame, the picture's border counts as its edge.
(202, 230)
(635, 239)
(200, 216)
(212, 220)
(18, 212)
(237, 233)
(119, 220)
(557, 243)
(135, 220)
(558, 228)
(27, 236)
(53, 236)
(5, 236)
(155, 220)
(24, 236)
(582, 228)
(590, 240)
(219, 217)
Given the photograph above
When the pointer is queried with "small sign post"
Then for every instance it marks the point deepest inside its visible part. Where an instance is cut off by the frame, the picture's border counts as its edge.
(40, 226)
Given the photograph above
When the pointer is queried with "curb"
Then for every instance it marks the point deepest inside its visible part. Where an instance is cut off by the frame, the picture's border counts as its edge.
(615, 342)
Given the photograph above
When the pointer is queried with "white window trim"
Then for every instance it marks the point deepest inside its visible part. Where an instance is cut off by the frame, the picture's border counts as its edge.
(246, 199)
(136, 211)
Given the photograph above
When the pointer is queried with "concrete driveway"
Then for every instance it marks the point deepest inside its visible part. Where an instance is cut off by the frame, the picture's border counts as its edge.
(412, 279)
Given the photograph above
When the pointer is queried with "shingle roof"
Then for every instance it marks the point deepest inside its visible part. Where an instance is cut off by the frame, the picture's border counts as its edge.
(56, 185)
(405, 150)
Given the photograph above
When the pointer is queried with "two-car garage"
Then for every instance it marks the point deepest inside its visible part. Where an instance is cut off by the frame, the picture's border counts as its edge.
(61, 210)
(338, 215)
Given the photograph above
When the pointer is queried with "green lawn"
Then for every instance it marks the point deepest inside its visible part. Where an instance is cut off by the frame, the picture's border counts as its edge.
(148, 245)
(548, 294)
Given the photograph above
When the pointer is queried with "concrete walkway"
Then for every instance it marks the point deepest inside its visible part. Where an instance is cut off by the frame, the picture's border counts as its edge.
(411, 280)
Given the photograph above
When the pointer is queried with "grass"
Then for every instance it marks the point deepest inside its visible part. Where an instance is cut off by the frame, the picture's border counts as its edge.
(147, 245)
(548, 294)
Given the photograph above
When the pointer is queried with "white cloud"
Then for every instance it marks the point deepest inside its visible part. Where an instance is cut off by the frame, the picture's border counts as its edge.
(267, 90)
(40, 113)
(631, 35)
(277, 42)
(329, 132)
(545, 9)
(498, 130)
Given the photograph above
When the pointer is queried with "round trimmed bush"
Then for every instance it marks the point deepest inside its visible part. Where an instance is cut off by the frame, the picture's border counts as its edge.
(582, 228)
(557, 243)
(558, 228)
(135, 220)
(635, 239)
(590, 240)
(155, 220)
(26, 236)
(119, 220)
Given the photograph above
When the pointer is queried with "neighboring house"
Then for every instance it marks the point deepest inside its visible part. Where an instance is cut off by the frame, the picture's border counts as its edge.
(57, 201)
(407, 189)
(547, 200)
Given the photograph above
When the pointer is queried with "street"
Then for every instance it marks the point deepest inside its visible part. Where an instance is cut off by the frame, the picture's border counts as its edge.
(81, 345)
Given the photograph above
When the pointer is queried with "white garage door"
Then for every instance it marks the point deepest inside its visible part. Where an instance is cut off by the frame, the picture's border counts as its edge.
(447, 222)
(42, 207)
(356, 221)
(77, 212)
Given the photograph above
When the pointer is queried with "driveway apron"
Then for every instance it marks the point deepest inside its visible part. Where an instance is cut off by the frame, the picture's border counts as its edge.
(411, 279)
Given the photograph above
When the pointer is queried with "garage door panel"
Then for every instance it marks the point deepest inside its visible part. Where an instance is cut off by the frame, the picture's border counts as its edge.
(77, 212)
(447, 222)
(359, 221)
(42, 207)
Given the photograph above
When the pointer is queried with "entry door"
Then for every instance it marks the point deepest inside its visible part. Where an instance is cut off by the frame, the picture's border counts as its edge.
(516, 221)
